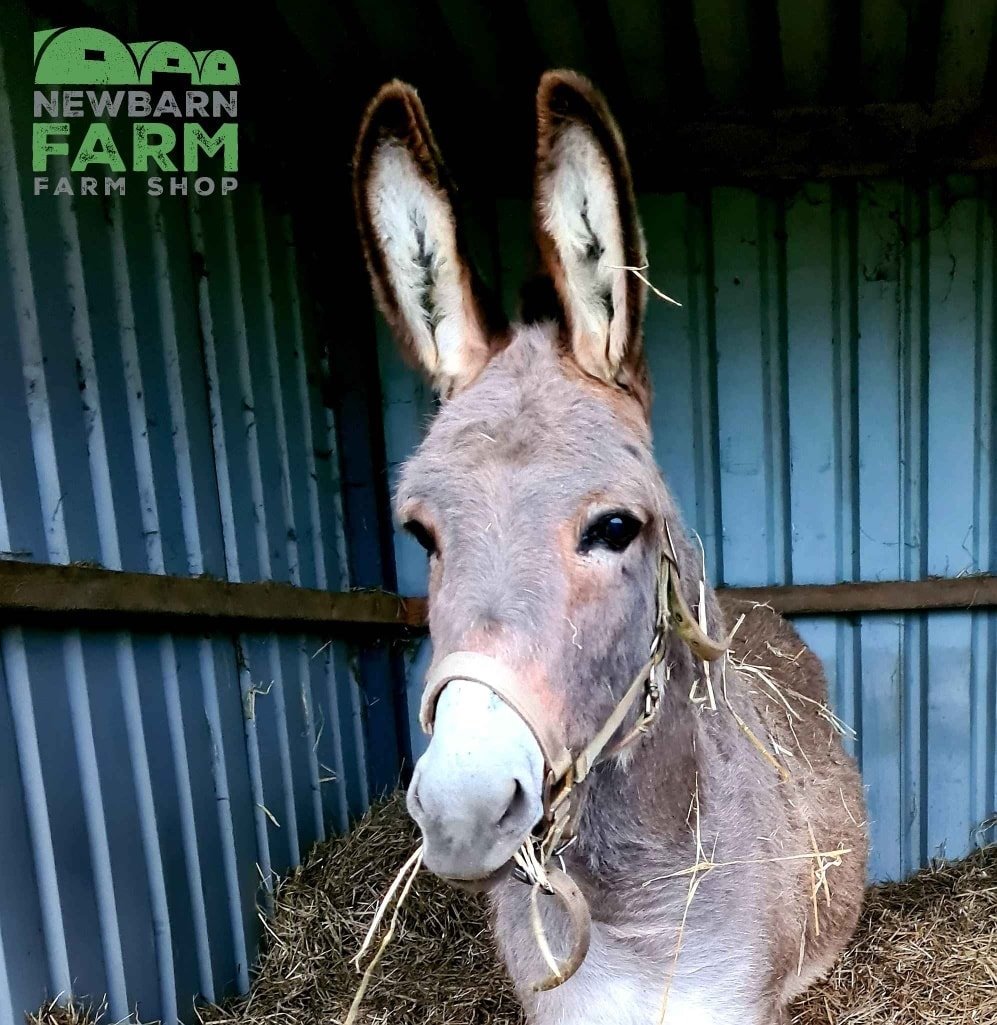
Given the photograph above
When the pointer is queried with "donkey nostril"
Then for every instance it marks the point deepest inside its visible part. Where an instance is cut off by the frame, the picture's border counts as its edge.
(516, 809)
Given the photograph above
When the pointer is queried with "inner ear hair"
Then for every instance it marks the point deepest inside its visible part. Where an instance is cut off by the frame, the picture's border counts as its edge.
(422, 278)
(587, 226)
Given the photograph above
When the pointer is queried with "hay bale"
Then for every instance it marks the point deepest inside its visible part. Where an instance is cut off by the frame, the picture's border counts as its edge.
(441, 967)
(925, 952)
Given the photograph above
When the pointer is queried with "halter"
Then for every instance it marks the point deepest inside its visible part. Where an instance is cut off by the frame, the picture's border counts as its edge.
(565, 770)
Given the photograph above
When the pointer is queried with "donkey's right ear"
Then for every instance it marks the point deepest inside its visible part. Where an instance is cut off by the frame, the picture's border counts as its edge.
(424, 284)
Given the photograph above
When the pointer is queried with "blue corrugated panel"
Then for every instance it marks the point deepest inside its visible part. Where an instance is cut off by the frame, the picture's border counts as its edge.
(825, 413)
(159, 413)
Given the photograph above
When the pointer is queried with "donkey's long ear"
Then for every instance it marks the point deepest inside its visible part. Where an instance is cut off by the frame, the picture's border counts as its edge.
(423, 282)
(587, 227)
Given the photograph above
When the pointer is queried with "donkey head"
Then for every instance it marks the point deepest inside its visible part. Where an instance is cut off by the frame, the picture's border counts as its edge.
(535, 492)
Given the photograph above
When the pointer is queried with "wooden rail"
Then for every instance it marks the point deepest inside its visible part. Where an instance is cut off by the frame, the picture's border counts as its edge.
(971, 592)
(88, 596)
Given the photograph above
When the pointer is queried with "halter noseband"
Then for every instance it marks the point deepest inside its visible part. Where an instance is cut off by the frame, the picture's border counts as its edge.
(565, 770)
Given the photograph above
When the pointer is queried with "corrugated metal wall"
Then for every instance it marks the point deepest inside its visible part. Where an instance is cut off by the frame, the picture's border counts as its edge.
(831, 384)
(159, 413)
(825, 412)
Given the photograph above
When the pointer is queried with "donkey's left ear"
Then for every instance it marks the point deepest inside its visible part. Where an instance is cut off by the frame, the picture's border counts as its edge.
(587, 227)
(423, 281)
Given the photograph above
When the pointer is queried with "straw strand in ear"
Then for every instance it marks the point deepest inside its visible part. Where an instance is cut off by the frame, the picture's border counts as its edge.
(587, 228)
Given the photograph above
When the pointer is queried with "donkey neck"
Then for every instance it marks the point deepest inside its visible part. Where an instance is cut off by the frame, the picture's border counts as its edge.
(649, 789)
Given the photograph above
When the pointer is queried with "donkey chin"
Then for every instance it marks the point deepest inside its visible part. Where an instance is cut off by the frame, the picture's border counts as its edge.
(476, 793)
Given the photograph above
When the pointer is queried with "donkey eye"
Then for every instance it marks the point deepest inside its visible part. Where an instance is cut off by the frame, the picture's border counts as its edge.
(613, 530)
(423, 535)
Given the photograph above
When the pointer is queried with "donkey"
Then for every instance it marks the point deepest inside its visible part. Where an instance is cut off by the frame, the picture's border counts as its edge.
(722, 853)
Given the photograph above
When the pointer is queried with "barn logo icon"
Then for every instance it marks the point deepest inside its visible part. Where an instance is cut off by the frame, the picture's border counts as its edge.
(91, 56)
(105, 109)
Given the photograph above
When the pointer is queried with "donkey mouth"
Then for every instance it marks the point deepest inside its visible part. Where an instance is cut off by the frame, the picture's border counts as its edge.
(478, 884)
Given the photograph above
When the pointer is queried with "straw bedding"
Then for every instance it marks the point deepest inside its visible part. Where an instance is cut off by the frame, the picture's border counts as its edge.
(925, 952)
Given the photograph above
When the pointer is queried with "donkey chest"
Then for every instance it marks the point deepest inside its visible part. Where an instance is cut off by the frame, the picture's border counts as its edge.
(623, 988)
(624, 978)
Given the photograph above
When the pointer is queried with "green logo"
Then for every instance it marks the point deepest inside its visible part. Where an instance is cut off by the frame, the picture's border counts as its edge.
(91, 56)
(111, 107)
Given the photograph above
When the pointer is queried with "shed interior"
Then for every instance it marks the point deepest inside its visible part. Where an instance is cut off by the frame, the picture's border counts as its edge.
(198, 393)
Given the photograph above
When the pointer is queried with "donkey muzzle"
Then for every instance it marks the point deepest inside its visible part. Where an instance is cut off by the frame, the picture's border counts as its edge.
(477, 792)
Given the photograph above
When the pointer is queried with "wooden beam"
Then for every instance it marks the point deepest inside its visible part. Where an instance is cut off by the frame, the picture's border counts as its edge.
(808, 143)
(87, 596)
(892, 596)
